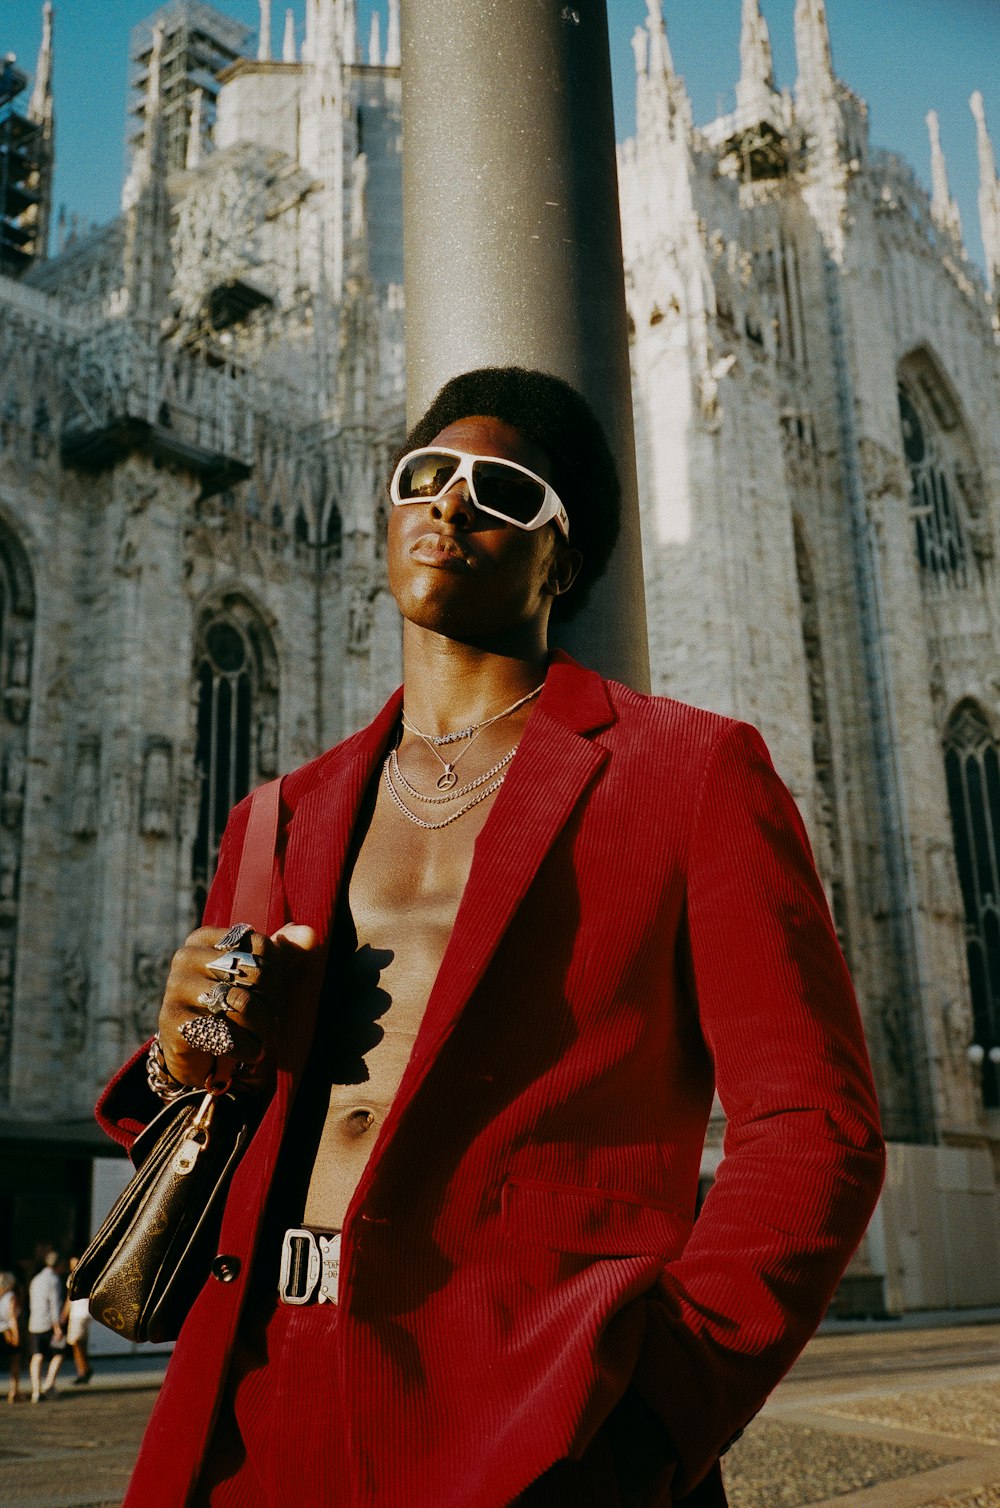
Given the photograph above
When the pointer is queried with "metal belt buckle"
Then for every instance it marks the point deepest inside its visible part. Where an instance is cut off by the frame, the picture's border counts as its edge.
(329, 1251)
(309, 1261)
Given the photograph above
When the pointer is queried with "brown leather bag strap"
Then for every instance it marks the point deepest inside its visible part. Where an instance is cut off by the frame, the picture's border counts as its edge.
(255, 880)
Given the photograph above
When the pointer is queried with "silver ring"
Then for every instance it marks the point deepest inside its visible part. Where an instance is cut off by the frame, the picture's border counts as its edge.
(237, 933)
(216, 999)
(236, 967)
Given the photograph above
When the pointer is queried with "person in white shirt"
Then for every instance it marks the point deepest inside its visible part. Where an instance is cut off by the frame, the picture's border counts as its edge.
(10, 1332)
(45, 1333)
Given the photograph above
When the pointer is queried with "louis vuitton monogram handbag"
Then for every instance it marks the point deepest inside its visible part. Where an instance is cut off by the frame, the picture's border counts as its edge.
(150, 1258)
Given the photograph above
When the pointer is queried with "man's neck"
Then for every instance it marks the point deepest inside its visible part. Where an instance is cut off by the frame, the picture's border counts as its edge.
(449, 684)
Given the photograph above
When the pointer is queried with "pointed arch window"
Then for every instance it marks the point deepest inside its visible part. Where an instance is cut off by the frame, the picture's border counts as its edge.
(972, 768)
(936, 506)
(236, 694)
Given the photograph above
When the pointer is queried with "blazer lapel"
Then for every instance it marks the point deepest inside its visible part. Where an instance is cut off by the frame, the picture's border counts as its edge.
(550, 772)
(319, 840)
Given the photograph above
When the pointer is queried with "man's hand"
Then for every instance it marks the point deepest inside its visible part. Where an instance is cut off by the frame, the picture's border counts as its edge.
(249, 1013)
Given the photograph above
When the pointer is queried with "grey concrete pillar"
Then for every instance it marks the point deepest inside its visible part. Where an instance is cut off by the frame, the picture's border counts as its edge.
(512, 241)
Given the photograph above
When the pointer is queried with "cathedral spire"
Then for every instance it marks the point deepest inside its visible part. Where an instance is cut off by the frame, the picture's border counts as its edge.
(148, 273)
(321, 138)
(264, 34)
(943, 207)
(328, 32)
(756, 83)
(196, 131)
(309, 37)
(392, 49)
(153, 135)
(350, 43)
(813, 53)
(41, 111)
(660, 93)
(989, 193)
(661, 63)
(288, 41)
(375, 41)
(40, 108)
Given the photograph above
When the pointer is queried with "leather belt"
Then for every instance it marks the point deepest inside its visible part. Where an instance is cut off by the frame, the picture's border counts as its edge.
(310, 1266)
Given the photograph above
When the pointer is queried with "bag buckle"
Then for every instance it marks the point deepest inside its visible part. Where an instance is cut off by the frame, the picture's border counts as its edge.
(310, 1267)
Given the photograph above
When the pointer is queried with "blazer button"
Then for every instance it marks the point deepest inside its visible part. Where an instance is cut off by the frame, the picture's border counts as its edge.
(226, 1269)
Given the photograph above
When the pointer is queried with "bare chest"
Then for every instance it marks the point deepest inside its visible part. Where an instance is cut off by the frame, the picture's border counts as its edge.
(404, 893)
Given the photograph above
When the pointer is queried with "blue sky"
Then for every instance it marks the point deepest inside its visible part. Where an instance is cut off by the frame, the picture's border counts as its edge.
(904, 57)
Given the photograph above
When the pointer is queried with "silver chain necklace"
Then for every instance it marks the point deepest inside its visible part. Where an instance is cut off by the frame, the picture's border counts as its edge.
(447, 780)
(455, 795)
(488, 790)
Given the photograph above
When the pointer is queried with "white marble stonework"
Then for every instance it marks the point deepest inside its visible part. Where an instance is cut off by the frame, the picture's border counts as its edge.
(198, 404)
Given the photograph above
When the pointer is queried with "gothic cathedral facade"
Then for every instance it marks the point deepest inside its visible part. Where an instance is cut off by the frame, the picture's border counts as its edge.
(198, 403)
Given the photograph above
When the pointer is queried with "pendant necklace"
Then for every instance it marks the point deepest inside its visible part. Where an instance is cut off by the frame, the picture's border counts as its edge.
(447, 780)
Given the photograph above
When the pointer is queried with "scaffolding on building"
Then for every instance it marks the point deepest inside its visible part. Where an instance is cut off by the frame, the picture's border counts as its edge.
(198, 43)
(22, 161)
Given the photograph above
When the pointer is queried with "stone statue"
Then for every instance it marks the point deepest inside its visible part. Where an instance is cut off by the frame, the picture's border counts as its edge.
(155, 820)
(76, 987)
(9, 865)
(267, 742)
(83, 816)
(14, 776)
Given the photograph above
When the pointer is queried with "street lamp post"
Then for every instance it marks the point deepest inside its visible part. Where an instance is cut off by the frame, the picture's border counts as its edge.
(512, 241)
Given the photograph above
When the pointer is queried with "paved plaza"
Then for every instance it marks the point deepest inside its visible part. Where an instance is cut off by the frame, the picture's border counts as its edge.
(887, 1418)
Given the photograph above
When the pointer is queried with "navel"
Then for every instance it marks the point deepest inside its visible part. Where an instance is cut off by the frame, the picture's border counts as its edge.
(359, 1122)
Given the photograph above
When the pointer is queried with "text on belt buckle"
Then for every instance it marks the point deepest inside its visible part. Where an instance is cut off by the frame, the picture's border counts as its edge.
(309, 1261)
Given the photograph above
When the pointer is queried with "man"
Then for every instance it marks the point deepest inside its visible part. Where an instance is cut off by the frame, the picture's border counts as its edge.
(45, 1334)
(556, 914)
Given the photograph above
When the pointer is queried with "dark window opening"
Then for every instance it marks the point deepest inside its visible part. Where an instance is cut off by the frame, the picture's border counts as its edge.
(939, 535)
(224, 678)
(972, 771)
(334, 530)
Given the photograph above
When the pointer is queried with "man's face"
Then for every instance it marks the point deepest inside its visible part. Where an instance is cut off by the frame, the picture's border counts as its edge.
(466, 574)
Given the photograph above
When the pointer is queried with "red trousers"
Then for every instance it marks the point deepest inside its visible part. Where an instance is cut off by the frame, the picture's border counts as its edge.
(283, 1369)
(278, 1444)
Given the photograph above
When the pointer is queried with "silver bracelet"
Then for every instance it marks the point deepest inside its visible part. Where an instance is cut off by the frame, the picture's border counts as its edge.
(161, 1081)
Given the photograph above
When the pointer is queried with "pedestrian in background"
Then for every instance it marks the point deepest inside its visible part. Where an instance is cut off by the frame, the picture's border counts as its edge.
(10, 1332)
(76, 1318)
(45, 1332)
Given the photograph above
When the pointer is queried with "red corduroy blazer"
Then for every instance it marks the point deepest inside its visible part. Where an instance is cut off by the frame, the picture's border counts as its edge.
(642, 922)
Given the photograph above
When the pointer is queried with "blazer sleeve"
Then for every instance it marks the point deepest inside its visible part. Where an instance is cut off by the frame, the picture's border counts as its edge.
(804, 1157)
(128, 1104)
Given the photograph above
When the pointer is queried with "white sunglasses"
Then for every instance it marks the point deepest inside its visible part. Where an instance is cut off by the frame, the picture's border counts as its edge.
(497, 486)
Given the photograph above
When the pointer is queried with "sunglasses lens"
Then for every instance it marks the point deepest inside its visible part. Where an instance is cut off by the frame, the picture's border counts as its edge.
(516, 496)
(425, 475)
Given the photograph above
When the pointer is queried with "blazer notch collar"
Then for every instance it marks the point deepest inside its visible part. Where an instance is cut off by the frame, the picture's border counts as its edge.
(576, 696)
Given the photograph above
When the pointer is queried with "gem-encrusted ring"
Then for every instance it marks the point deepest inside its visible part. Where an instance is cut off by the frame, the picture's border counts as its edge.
(209, 1034)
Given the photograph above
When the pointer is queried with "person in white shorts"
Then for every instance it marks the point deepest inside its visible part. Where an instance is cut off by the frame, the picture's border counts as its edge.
(76, 1317)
